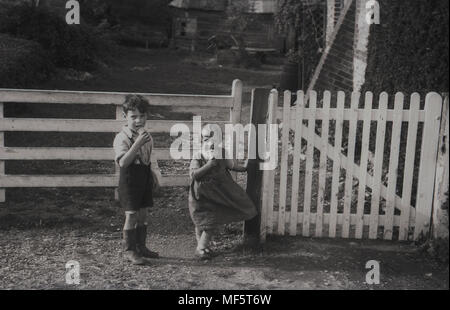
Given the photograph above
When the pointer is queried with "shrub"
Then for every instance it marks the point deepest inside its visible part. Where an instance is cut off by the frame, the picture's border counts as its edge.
(22, 63)
(137, 36)
(68, 46)
(408, 51)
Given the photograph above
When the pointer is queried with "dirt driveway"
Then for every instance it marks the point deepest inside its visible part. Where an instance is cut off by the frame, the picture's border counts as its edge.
(35, 257)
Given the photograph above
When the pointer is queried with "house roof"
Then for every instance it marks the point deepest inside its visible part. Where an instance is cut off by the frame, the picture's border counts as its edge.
(255, 6)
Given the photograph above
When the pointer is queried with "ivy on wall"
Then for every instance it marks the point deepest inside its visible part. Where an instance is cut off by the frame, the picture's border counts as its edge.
(408, 50)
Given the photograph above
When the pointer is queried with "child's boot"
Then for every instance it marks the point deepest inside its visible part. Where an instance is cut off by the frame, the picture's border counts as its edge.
(140, 245)
(130, 253)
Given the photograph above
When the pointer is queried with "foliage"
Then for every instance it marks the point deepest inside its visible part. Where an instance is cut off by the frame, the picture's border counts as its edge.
(68, 46)
(137, 36)
(239, 20)
(409, 51)
(22, 63)
(97, 11)
(134, 23)
(155, 12)
(306, 21)
(288, 15)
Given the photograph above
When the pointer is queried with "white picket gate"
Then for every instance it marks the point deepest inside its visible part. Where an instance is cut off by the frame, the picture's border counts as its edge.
(367, 183)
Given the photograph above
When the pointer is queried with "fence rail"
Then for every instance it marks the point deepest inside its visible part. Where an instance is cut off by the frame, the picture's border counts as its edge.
(115, 98)
(220, 104)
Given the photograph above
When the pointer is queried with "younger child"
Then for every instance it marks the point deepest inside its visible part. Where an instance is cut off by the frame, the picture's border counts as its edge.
(214, 197)
(133, 147)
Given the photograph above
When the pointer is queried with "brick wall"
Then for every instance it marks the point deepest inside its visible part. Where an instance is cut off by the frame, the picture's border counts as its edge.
(337, 71)
(344, 69)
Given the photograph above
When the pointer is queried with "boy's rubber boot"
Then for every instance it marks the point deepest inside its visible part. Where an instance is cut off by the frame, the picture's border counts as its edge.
(130, 253)
(140, 244)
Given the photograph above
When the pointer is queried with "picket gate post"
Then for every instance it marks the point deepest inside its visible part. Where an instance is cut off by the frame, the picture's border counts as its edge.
(258, 114)
(440, 219)
(428, 159)
(2, 163)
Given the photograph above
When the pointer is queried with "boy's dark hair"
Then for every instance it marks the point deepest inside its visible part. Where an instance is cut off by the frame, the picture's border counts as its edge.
(133, 102)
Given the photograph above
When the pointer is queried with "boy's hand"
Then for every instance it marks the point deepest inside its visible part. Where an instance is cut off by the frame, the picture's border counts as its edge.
(143, 138)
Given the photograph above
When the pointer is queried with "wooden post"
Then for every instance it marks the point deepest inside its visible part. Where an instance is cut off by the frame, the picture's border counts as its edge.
(440, 219)
(119, 116)
(427, 168)
(258, 114)
(2, 163)
(235, 112)
(236, 93)
(268, 179)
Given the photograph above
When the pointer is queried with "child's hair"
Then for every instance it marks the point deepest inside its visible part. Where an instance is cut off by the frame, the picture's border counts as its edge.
(133, 102)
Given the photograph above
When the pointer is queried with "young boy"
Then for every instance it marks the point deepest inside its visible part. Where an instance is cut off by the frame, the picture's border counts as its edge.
(133, 148)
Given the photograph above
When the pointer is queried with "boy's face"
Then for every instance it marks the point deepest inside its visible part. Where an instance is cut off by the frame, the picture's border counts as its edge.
(207, 139)
(135, 119)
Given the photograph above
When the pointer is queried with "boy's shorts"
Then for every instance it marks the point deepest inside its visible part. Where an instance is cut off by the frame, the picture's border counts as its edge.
(135, 187)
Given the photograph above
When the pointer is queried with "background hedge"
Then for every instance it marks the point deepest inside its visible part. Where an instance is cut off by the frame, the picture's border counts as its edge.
(408, 50)
(23, 63)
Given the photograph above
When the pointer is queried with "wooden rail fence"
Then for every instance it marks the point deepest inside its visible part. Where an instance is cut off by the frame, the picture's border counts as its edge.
(197, 104)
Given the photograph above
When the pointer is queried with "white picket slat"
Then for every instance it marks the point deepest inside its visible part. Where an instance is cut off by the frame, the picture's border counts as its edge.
(409, 167)
(322, 165)
(309, 164)
(284, 162)
(336, 164)
(349, 172)
(362, 176)
(296, 163)
(378, 166)
(393, 165)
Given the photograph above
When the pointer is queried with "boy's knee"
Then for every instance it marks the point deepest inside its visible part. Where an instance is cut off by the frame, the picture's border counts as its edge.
(131, 216)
